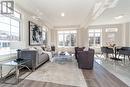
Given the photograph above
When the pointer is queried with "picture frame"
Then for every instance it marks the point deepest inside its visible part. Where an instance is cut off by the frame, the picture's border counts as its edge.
(35, 34)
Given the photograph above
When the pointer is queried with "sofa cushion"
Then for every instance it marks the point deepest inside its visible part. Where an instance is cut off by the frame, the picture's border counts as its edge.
(43, 57)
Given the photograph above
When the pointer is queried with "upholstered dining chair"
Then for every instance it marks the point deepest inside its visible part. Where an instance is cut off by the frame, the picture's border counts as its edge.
(107, 51)
(124, 51)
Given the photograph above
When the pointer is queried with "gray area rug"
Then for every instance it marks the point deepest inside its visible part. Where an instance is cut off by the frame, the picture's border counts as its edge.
(66, 74)
(31, 83)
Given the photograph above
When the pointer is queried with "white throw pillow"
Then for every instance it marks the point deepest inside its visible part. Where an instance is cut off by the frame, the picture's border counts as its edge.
(32, 48)
(86, 49)
(39, 48)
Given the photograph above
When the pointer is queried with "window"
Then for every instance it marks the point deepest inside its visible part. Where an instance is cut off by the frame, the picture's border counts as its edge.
(95, 37)
(7, 7)
(44, 34)
(111, 35)
(67, 38)
(112, 30)
(9, 32)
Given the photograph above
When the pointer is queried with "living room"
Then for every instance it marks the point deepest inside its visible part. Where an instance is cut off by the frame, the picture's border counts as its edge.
(59, 43)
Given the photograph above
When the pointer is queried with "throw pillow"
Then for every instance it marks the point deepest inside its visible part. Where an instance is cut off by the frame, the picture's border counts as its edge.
(43, 48)
(32, 48)
(86, 49)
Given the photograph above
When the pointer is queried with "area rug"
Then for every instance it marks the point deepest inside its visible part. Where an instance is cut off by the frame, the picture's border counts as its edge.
(31, 83)
(67, 74)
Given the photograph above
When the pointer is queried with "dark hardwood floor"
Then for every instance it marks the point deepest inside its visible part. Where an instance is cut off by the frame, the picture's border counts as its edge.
(100, 77)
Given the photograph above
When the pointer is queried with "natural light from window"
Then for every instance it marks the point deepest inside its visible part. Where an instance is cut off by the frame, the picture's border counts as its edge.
(95, 37)
(67, 38)
(9, 32)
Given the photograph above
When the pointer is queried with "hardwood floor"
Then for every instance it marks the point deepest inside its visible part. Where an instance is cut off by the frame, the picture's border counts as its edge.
(100, 77)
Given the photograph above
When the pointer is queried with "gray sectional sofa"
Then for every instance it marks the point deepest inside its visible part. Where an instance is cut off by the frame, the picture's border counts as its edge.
(37, 58)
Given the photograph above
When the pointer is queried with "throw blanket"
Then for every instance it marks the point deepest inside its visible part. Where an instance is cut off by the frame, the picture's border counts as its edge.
(49, 54)
(40, 51)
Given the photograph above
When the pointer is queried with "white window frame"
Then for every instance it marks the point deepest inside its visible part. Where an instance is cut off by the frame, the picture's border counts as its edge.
(94, 40)
(69, 32)
(45, 30)
(111, 35)
(18, 19)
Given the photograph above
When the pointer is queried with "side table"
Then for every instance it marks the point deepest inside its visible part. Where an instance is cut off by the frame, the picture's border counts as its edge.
(17, 66)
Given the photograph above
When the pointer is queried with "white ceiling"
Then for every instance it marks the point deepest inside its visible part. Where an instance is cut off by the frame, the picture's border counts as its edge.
(76, 11)
(122, 8)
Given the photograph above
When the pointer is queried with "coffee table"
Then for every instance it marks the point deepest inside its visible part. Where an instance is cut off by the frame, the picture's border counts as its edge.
(17, 65)
(62, 58)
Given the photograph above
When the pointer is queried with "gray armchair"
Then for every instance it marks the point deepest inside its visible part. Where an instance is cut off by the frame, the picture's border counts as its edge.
(85, 59)
(78, 49)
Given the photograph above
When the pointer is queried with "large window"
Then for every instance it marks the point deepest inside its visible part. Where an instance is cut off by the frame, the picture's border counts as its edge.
(111, 35)
(94, 37)
(44, 33)
(67, 38)
(9, 32)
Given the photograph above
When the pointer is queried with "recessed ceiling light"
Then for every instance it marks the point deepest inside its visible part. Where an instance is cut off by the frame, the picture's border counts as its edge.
(62, 14)
(119, 17)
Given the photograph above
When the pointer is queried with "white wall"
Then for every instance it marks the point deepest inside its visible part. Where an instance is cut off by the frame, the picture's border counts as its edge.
(54, 39)
(24, 30)
(119, 34)
(84, 37)
(24, 34)
(122, 36)
(127, 34)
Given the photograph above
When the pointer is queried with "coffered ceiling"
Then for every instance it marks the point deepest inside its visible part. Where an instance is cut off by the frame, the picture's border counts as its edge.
(119, 14)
